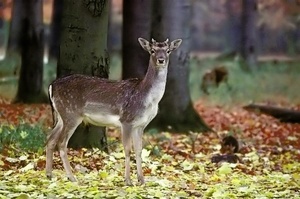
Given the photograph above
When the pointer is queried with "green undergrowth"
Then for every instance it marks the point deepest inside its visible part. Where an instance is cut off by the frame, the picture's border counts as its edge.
(273, 81)
(22, 137)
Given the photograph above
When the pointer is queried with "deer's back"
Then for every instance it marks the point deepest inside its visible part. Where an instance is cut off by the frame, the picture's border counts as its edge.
(97, 99)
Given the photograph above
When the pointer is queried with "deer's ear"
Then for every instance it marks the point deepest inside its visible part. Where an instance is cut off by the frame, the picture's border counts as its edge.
(175, 44)
(145, 44)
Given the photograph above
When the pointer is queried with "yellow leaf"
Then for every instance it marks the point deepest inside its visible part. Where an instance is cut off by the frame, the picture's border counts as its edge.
(7, 173)
(225, 168)
(103, 174)
(22, 196)
(187, 166)
(23, 157)
(27, 167)
(145, 154)
(23, 134)
(118, 155)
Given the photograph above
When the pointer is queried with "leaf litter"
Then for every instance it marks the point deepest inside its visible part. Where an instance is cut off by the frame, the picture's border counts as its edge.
(174, 165)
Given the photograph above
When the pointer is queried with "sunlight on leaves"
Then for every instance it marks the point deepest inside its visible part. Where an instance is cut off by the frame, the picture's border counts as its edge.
(23, 196)
(117, 155)
(27, 167)
(145, 155)
(225, 169)
(23, 134)
(187, 166)
(23, 157)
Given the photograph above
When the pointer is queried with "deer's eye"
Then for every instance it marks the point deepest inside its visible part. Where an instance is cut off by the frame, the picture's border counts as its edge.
(152, 51)
(168, 51)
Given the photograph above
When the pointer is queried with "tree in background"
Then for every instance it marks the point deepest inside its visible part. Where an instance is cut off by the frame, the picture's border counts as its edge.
(171, 19)
(31, 41)
(2, 22)
(248, 49)
(136, 23)
(15, 28)
(83, 50)
(241, 31)
(233, 26)
(55, 28)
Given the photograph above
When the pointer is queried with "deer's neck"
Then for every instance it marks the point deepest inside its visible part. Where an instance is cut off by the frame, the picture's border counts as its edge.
(154, 83)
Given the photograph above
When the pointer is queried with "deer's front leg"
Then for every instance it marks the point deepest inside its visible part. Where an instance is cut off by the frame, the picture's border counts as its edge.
(138, 146)
(126, 140)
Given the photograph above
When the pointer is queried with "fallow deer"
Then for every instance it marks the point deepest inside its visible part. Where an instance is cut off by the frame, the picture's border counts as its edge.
(128, 104)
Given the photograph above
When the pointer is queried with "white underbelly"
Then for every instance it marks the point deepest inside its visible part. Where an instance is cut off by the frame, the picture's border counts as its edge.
(102, 119)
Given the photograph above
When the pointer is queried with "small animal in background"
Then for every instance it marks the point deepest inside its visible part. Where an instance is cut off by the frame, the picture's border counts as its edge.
(213, 78)
(229, 145)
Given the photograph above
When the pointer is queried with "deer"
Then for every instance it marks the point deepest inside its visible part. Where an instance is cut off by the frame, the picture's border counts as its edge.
(126, 104)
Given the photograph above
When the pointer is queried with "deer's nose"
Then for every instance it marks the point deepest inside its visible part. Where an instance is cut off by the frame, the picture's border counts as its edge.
(161, 61)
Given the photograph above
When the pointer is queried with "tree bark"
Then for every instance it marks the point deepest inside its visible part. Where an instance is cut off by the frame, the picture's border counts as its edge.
(30, 89)
(176, 113)
(15, 29)
(249, 34)
(55, 28)
(136, 23)
(2, 23)
(83, 50)
(233, 25)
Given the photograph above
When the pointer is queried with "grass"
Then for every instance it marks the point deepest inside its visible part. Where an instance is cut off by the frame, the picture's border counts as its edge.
(273, 81)
(23, 137)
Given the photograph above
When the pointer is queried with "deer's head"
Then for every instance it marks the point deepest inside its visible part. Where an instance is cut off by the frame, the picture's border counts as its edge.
(159, 51)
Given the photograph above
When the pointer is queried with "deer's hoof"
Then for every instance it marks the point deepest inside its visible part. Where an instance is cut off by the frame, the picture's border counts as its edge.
(128, 182)
(141, 180)
(49, 176)
(72, 178)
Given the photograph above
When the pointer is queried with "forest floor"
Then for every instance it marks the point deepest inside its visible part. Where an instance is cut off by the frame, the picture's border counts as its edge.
(175, 165)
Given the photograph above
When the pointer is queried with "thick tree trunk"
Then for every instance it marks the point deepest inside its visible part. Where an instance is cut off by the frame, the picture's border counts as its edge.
(83, 50)
(30, 88)
(15, 29)
(176, 113)
(136, 23)
(249, 34)
(233, 25)
(55, 28)
(2, 25)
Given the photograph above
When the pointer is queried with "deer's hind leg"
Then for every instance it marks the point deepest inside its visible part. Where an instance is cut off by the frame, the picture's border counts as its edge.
(68, 130)
(52, 141)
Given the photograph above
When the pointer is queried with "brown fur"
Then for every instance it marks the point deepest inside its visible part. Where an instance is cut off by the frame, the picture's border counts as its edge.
(213, 78)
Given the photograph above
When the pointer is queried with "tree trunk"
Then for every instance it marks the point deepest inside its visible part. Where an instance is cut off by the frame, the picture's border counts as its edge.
(83, 50)
(15, 29)
(2, 25)
(249, 34)
(136, 23)
(233, 25)
(30, 89)
(55, 28)
(176, 113)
